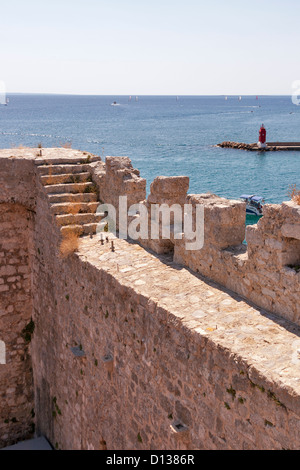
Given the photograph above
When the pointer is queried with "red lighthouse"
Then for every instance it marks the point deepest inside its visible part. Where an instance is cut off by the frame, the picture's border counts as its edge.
(262, 137)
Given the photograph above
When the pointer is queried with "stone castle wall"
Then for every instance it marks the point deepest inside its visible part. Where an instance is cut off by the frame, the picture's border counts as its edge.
(124, 354)
(114, 369)
(16, 379)
(17, 201)
(263, 271)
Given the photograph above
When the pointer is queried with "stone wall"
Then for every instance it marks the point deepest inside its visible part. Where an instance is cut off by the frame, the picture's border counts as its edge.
(130, 350)
(115, 178)
(16, 386)
(263, 271)
(17, 209)
(17, 178)
(116, 369)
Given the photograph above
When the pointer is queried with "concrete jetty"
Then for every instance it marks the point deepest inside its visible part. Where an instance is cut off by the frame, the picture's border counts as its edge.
(270, 146)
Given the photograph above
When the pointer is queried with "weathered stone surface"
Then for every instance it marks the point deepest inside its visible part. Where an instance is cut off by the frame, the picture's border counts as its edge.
(291, 231)
(168, 189)
(163, 346)
(16, 380)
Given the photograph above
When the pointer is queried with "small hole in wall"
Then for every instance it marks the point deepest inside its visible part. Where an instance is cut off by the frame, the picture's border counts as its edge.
(178, 426)
(295, 267)
(108, 358)
(169, 248)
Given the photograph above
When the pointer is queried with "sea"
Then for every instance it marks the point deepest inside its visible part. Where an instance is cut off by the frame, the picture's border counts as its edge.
(168, 135)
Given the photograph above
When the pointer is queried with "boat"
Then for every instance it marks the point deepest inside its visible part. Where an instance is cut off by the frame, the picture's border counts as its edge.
(240, 98)
(254, 204)
(226, 98)
(115, 104)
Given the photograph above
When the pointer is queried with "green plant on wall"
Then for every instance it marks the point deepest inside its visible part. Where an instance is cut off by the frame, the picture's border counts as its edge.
(56, 410)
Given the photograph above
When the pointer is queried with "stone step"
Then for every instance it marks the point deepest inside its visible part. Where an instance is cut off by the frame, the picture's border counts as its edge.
(63, 169)
(78, 219)
(74, 208)
(66, 160)
(66, 178)
(85, 229)
(70, 188)
(72, 197)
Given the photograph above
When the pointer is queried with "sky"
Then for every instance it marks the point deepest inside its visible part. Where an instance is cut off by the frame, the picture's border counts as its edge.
(157, 47)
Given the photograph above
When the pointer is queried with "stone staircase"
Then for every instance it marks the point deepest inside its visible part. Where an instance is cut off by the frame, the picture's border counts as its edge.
(72, 194)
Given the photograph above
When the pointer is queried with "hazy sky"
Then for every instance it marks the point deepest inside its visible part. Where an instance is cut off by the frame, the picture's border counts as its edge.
(136, 47)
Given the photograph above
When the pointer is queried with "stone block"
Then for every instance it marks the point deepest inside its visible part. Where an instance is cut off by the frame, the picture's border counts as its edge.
(291, 231)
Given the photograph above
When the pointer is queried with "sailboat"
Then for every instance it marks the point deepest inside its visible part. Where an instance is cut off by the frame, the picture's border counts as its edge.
(3, 99)
(136, 98)
(240, 98)
(226, 98)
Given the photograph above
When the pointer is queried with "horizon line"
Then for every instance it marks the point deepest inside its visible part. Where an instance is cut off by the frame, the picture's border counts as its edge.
(136, 94)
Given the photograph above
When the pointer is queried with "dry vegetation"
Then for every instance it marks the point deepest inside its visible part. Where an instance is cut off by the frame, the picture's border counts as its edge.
(75, 209)
(20, 147)
(69, 244)
(66, 145)
(294, 193)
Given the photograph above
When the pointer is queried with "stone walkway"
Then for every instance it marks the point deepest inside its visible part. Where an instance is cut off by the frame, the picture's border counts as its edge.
(265, 342)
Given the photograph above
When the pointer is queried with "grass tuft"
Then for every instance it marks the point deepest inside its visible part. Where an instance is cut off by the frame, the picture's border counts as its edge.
(69, 244)
(294, 193)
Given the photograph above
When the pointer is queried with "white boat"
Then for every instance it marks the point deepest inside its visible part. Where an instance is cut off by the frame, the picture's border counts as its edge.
(240, 98)
(254, 204)
(226, 98)
(115, 104)
(136, 98)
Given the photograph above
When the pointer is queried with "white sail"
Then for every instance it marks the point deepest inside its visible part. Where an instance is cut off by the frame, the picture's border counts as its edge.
(2, 93)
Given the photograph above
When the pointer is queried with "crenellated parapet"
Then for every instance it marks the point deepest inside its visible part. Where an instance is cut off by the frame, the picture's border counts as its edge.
(275, 240)
(166, 199)
(117, 177)
(263, 269)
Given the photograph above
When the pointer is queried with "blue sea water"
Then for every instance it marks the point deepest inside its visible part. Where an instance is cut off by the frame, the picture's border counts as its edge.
(168, 136)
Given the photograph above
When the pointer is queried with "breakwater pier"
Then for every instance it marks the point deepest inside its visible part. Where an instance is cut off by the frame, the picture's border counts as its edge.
(270, 146)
